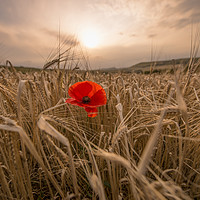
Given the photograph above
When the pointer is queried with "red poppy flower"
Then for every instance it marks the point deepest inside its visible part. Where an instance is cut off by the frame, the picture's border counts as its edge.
(87, 94)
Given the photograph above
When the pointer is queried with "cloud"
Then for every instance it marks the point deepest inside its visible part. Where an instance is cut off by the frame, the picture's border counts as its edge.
(4, 36)
(132, 35)
(7, 9)
(181, 23)
(188, 6)
(20, 55)
(17, 12)
(180, 14)
(118, 56)
(65, 38)
(127, 25)
(152, 35)
(113, 7)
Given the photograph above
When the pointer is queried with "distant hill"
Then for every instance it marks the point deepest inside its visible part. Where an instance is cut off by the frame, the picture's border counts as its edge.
(145, 66)
(23, 69)
(164, 64)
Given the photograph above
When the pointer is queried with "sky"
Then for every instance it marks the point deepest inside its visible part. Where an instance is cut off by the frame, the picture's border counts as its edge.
(111, 33)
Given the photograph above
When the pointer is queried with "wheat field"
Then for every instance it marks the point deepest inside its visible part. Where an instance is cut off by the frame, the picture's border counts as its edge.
(144, 143)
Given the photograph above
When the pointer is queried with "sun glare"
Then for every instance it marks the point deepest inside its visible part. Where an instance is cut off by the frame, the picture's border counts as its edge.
(90, 38)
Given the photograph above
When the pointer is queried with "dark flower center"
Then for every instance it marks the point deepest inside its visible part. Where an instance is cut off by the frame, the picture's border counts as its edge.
(86, 99)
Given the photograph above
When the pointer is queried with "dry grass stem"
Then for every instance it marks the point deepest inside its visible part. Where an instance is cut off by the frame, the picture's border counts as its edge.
(143, 144)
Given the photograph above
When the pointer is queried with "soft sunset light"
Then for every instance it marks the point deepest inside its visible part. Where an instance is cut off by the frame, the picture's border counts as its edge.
(90, 38)
(116, 33)
(99, 99)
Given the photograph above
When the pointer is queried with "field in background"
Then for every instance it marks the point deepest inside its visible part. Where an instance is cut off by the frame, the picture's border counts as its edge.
(144, 144)
(152, 66)
(140, 68)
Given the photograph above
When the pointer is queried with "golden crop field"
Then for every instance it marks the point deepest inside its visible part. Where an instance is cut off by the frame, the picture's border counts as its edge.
(144, 143)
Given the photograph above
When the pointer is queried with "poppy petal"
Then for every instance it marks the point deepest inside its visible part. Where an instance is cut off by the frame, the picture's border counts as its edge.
(92, 112)
(80, 89)
(74, 102)
(95, 89)
(99, 98)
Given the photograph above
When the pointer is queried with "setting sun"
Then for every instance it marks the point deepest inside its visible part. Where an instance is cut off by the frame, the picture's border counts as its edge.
(90, 38)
